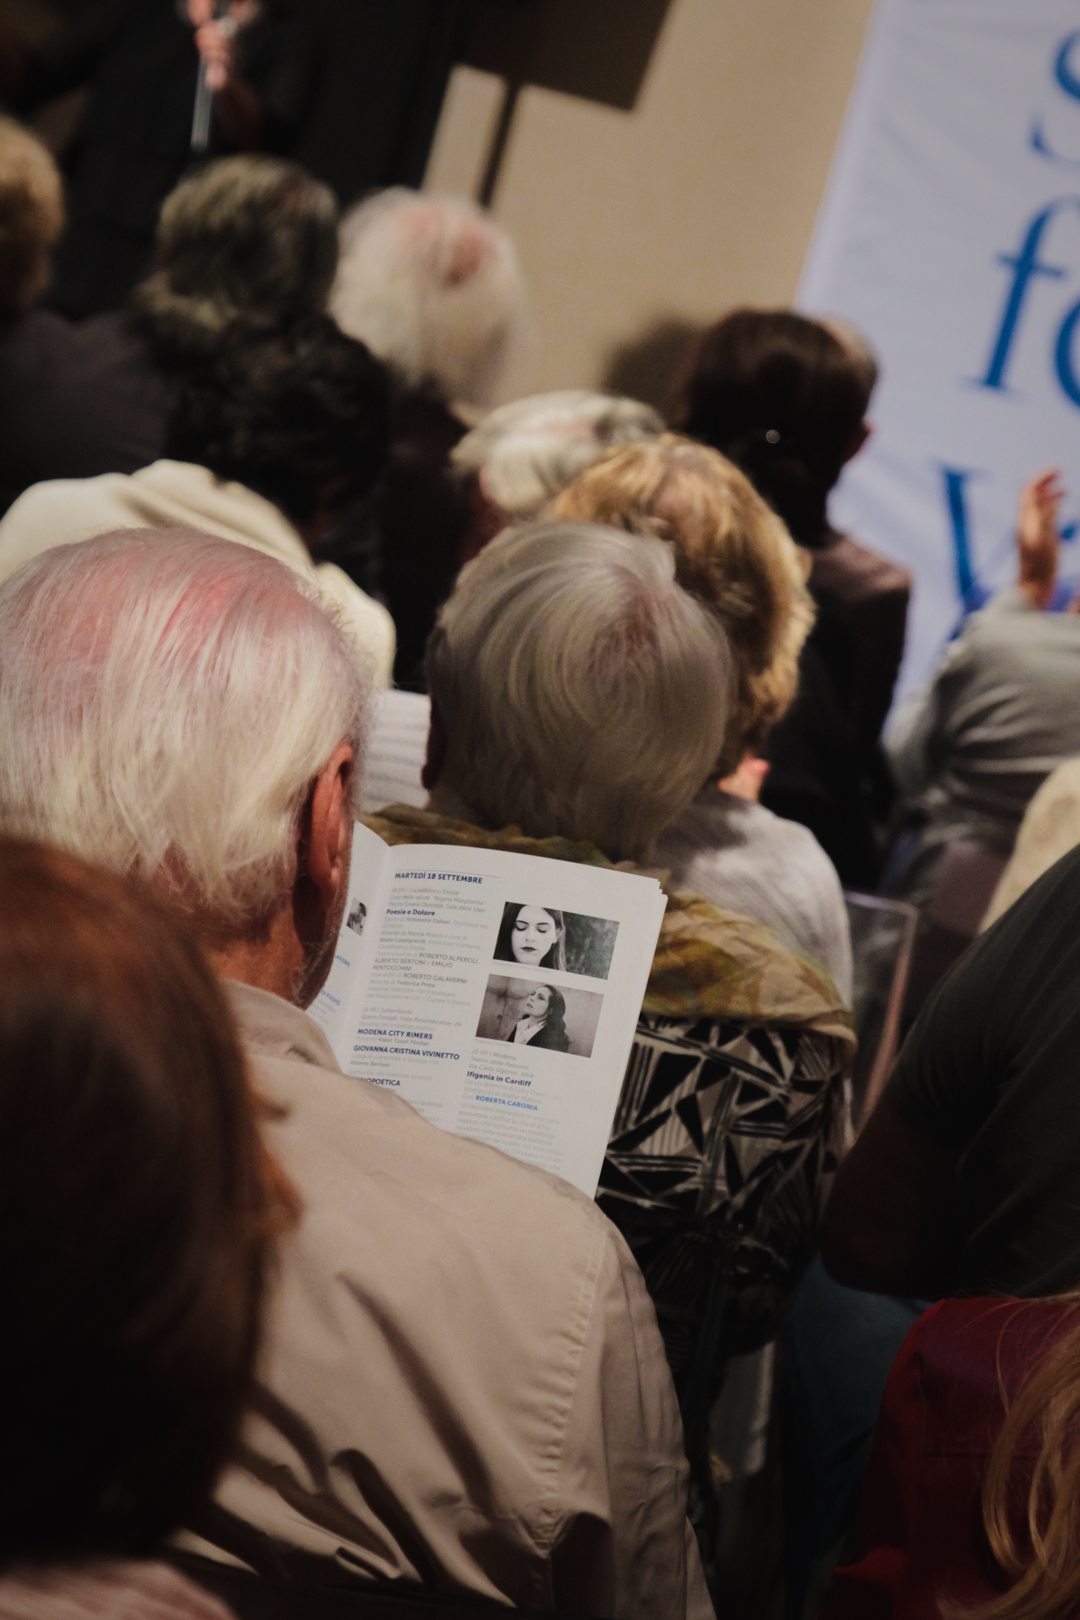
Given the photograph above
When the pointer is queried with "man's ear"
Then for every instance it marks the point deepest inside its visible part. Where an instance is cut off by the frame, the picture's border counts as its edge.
(325, 840)
(435, 759)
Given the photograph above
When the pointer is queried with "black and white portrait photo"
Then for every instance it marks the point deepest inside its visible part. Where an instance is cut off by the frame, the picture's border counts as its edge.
(548, 937)
(528, 1012)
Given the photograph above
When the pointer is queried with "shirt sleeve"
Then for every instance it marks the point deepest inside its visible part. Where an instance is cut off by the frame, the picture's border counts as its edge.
(624, 1546)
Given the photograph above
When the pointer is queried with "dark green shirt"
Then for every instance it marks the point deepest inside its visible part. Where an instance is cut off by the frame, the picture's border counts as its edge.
(991, 1071)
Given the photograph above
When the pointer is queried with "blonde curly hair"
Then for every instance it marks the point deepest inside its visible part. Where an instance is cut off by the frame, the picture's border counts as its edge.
(731, 551)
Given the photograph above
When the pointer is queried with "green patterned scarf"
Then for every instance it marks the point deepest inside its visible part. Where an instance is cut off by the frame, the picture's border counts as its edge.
(708, 964)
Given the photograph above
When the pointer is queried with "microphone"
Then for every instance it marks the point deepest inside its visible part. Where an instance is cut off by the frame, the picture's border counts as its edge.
(204, 96)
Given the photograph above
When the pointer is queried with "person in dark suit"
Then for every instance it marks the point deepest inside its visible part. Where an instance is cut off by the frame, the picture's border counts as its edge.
(542, 1020)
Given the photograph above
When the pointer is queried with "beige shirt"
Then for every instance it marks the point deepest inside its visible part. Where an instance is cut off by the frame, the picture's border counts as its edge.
(178, 494)
(463, 1384)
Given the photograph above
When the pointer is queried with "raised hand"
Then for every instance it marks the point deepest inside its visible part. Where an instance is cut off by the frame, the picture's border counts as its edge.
(1037, 538)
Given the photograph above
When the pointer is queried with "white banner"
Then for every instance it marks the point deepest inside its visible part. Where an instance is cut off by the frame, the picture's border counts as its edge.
(950, 235)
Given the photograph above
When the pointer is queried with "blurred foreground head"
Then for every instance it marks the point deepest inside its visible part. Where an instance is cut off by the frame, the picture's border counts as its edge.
(136, 1209)
(731, 550)
(576, 688)
(785, 398)
(167, 701)
(248, 240)
(31, 217)
(432, 286)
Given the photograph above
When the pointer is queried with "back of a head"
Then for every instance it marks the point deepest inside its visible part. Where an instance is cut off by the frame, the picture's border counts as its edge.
(582, 692)
(165, 701)
(301, 417)
(527, 451)
(248, 240)
(31, 216)
(784, 398)
(136, 1203)
(730, 549)
(432, 286)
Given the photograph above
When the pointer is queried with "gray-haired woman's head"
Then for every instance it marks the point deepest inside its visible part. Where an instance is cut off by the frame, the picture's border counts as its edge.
(579, 690)
(524, 453)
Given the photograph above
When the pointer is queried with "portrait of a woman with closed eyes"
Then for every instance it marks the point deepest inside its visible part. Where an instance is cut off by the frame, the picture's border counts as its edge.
(535, 936)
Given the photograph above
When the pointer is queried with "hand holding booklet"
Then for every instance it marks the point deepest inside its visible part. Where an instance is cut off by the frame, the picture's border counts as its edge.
(497, 993)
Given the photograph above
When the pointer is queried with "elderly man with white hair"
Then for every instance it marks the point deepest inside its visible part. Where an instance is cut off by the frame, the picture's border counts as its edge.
(463, 1386)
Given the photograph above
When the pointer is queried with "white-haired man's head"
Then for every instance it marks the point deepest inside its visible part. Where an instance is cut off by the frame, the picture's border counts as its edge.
(524, 453)
(166, 701)
(432, 286)
(576, 689)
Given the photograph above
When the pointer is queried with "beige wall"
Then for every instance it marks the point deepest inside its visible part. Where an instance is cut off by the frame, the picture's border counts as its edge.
(639, 225)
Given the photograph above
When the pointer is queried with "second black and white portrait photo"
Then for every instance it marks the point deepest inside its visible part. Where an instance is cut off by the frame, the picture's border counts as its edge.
(529, 1013)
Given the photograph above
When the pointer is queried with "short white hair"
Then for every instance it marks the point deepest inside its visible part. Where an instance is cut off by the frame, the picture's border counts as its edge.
(581, 690)
(529, 450)
(432, 286)
(165, 701)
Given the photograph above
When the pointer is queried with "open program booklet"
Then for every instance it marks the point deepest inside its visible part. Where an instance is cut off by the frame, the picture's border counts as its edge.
(496, 993)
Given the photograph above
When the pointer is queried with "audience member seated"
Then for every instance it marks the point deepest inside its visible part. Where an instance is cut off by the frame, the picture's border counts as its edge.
(1001, 711)
(463, 1387)
(973, 747)
(136, 1209)
(71, 401)
(736, 555)
(432, 286)
(521, 455)
(246, 245)
(785, 398)
(272, 439)
(963, 1180)
(579, 698)
(970, 1502)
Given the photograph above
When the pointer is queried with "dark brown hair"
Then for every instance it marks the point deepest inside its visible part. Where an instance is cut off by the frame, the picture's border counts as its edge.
(784, 399)
(136, 1205)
